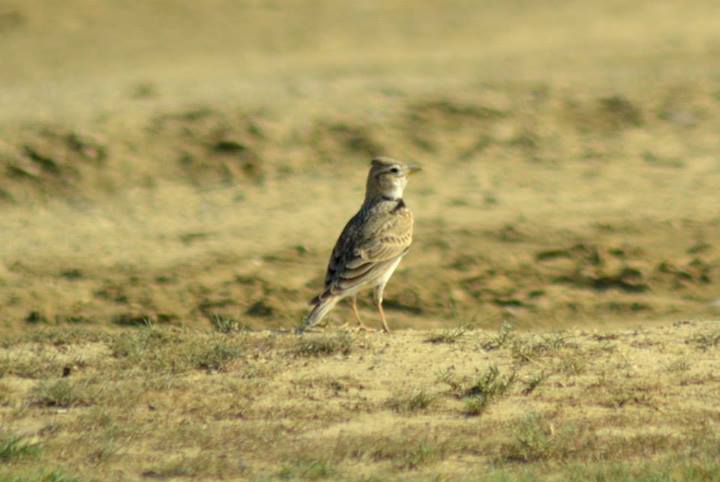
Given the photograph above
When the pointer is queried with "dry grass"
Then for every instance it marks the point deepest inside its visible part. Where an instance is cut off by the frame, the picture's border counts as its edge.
(163, 403)
(561, 184)
(322, 345)
(410, 402)
(14, 448)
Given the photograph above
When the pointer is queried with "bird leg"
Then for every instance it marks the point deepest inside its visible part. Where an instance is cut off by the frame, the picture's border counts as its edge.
(386, 328)
(378, 295)
(361, 326)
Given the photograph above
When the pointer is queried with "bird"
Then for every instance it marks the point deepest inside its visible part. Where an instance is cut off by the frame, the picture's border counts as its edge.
(371, 245)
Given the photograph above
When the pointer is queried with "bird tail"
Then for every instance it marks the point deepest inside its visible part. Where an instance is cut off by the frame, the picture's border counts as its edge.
(321, 307)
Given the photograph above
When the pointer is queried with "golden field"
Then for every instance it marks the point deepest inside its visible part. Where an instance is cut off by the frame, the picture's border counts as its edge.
(173, 175)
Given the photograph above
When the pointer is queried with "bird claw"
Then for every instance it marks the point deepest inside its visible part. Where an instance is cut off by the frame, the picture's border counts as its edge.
(358, 328)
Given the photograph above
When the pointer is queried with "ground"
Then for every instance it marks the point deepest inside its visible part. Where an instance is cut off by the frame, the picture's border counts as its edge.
(456, 404)
(173, 176)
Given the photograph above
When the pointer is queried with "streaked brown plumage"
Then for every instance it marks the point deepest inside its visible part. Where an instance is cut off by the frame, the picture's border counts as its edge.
(372, 243)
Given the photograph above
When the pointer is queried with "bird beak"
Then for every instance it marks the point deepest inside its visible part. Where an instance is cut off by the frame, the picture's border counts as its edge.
(412, 169)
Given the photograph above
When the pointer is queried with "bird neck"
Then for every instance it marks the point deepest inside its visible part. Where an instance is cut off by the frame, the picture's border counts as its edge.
(378, 198)
(391, 195)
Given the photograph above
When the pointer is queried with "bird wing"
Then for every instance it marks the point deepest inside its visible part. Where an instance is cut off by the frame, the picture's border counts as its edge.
(368, 245)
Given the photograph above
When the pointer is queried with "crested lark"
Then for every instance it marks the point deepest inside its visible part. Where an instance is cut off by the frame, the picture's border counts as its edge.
(371, 245)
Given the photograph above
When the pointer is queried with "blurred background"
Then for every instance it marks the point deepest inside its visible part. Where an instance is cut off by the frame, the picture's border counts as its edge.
(192, 163)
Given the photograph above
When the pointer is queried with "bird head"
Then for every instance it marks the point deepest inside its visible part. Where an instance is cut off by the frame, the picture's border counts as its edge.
(388, 178)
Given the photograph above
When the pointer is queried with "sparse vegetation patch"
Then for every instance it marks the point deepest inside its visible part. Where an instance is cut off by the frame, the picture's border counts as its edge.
(315, 407)
(319, 345)
(15, 447)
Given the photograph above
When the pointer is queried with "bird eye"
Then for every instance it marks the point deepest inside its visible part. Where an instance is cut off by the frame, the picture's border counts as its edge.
(395, 170)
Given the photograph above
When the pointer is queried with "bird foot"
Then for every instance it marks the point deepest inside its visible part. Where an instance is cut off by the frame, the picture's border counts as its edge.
(358, 328)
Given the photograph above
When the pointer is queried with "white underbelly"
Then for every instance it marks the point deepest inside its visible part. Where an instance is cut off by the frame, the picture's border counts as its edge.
(382, 281)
